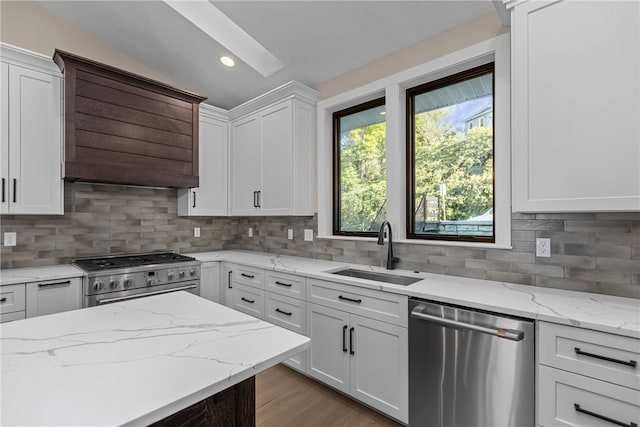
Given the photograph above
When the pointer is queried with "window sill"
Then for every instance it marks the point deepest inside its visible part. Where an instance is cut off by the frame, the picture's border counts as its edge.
(422, 242)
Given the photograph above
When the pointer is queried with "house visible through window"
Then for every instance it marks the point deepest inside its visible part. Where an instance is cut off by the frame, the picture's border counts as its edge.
(450, 158)
(359, 169)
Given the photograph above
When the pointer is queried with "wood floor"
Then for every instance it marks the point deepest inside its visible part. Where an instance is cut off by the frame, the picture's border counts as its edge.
(286, 398)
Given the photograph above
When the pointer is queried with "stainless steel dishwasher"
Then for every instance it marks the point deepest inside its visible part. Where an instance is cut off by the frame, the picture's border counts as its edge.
(469, 368)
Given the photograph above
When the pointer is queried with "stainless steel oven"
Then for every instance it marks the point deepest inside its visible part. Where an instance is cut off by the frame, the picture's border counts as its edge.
(469, 368)
(118, 278)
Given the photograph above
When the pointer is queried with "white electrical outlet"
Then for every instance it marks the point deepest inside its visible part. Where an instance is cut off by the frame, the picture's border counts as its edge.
(308, 235)
(196, 231)
(290, 234)
(10, 238)
(543, 248)
(250, 232)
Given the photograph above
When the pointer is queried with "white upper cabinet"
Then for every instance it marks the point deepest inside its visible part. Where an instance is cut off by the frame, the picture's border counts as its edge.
(576, 106)
(272, 154)
(30, 167)
(210, 198)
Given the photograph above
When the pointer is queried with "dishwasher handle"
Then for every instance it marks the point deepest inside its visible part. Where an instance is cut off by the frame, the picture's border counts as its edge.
(509, 334)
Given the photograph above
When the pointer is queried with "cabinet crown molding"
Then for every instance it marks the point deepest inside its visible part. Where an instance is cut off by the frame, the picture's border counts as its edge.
(293, 89)
(25, 58)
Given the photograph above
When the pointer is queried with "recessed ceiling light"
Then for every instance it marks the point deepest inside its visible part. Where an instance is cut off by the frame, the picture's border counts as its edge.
(229, 62)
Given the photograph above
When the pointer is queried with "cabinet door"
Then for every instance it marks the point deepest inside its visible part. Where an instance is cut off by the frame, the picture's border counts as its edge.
(53, 296)
(210, 198)
(4, 138)
(210, 281)
(227, 289)
(380, 366)
(328, 357)
(246, 167)
(277, 168)
(35, 184)
(576, 103)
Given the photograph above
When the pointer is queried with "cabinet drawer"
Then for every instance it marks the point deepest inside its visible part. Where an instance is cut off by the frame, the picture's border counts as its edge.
(248, 276)
(567, 399)
(286, 284)
(10, 317)
(12, 299)
(383, 306)
(608, 357)
(249, 300)
(286, 312)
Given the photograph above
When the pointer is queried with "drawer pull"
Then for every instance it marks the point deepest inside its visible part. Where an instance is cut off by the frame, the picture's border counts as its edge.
(250, 301)
(344, 338)
(288, 285)
(44, 285)
(3, 299)
(602, 417)
(357, 301)
(631, 363)
(286, 313)
(229, 280)
(250, 276)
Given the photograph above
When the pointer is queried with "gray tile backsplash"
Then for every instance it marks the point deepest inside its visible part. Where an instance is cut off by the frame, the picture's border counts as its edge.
(594, 252)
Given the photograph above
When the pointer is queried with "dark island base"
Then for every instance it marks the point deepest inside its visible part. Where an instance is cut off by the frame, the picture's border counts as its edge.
(233, 407)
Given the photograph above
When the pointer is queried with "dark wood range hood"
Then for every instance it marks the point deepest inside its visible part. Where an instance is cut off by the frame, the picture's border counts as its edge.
(122, 128)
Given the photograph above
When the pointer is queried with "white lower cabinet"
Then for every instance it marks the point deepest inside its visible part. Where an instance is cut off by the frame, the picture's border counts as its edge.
(359, 337)
(568, 399)
(12, 303)
(210, 281)
(53, 296)
(363, 357)
(289, 313)
(249, 300)
(587, 378)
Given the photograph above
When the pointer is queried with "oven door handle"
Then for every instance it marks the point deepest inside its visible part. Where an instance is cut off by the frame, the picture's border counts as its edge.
(509, 334)
(146, 294)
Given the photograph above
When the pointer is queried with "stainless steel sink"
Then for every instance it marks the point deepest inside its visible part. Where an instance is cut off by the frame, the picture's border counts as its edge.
(378, 277)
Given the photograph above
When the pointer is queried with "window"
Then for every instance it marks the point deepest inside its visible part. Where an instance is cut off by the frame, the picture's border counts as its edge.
(450, 158)
(359, 169)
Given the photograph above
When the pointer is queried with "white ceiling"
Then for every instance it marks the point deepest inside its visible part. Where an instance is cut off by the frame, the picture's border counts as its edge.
(315, 40)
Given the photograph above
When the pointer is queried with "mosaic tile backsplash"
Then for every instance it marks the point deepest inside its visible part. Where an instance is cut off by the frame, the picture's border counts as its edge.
(594, 252)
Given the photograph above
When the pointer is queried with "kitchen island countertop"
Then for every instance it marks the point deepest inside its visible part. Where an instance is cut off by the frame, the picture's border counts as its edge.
(132, 363)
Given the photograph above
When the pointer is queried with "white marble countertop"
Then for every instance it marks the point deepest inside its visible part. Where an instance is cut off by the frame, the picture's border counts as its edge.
(132, 363)
(35, 274)
(605, 313)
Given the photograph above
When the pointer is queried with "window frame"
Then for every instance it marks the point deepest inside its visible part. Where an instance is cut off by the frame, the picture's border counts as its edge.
(411, 93)
(393, 86)
(337, 115)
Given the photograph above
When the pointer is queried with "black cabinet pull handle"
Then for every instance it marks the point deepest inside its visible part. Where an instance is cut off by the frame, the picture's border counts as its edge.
(250, 276)
(15, 189)
(44, 285)
(229, 279)
(351, 352)
(194, 199)
(357, 301)
(250, 301)
(3, 299)
(259, 204)
(344, 338)
(631, 363)
(4, 181)
(255, 199)
(602, 417)
(288, 285)
(286, 313)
